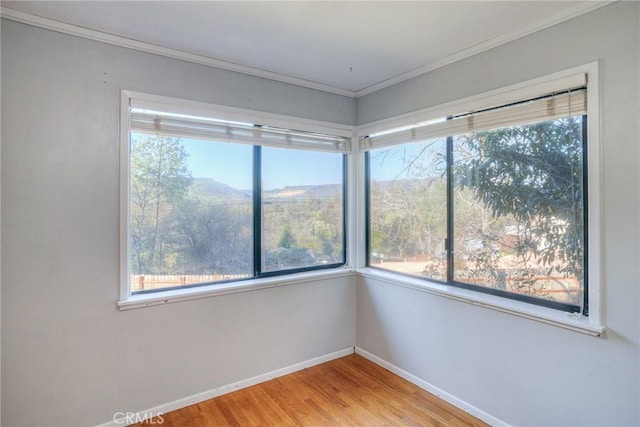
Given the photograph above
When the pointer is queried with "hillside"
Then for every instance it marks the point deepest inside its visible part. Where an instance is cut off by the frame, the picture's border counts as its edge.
(303, 191)
(209, 188)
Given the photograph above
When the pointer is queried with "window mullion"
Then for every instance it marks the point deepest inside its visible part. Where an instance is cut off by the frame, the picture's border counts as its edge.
(449, 240)
(345, 206)
(367, 207)
(585, 201)
(257, 210)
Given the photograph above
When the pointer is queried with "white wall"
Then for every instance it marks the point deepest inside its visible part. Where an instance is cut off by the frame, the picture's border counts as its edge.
(523, 372)
(69, 357)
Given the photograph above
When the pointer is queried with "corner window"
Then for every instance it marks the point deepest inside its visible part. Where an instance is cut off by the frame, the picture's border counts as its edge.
(210, 200)
(492, 200)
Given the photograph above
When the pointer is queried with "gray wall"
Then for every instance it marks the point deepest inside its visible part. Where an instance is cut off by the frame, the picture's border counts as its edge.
(520, 371)
(69, 357)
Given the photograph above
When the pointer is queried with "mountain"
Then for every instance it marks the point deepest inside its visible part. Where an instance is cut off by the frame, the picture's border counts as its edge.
(209, 188)
(303, 191)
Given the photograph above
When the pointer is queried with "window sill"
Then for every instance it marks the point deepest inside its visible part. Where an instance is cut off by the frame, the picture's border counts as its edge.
(175, 295)
(549, 316)
(574, 322)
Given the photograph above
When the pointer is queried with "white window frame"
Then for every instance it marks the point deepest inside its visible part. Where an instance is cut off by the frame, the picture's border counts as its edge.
(199, 109)
(593, 324)
(355, 238)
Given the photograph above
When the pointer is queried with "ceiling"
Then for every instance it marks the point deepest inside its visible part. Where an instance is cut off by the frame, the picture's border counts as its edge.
(349, 48)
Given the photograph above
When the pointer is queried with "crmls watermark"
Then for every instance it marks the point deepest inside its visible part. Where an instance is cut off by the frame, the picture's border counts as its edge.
(127, 418)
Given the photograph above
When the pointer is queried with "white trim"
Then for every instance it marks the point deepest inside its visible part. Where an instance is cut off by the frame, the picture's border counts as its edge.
(594, 190)
(153, 121)
(74, 30)
(123, 226)
(589, 326)
(501, 96)
(353, 202)
(187, 294)
(455, 401)
(528, 89)
(579, 9)
(554, 105)
(219, 391)
(223, 112)
(356, 209)
(571, 321)
(359, 183)
(182, 106)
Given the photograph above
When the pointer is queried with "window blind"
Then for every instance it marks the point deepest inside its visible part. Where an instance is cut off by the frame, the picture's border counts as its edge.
(566, 103)
(181, 125)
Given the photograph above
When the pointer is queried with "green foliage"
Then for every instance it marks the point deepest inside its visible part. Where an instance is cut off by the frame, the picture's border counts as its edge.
(308, 222)
(517, 208)
(287, 240)
(283, 258)
(213, 237)
(159, 181)
(181, 225)
(409, 214)
(533, 174)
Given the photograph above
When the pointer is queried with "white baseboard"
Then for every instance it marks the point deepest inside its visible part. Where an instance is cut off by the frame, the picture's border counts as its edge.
(459, 403)
(121, 419)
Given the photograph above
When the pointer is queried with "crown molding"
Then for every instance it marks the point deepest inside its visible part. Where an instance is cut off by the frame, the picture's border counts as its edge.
(74, 30)
(579, 9)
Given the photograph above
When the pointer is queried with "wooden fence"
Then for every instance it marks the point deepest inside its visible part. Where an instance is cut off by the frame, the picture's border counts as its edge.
(140, 282)
(558, 288)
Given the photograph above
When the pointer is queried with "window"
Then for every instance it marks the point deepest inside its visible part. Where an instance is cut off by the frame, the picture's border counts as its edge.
(492, 200)
(302, 209)
(211, 200)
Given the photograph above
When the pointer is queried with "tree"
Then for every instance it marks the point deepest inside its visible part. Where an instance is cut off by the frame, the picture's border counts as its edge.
(287, 240)
(213, 237)
(408, 212)
(282, 258)
(311, 220)
(533, 174)
(159, 180)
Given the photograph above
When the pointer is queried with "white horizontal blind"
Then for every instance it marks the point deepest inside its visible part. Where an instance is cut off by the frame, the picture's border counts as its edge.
(570, 102)
(168, 123)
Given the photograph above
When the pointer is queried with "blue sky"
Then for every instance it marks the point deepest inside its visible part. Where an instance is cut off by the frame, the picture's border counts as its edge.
(232, 164)
(408, 161)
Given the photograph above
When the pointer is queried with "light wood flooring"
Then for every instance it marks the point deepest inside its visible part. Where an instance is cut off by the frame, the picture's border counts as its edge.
(350, 391)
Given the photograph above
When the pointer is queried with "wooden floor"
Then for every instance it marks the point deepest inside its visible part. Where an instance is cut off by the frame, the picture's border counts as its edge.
(350, 391)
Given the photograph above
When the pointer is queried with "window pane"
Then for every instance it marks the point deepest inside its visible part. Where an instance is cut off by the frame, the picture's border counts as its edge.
(302, 210)
(191, 218)
(519, 209)
(408, 209)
